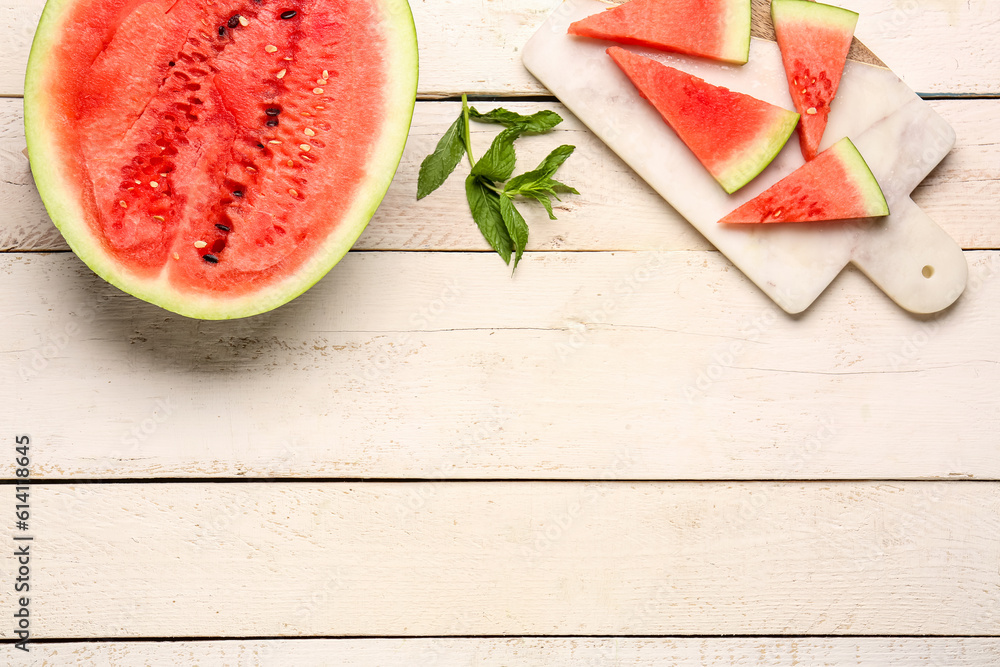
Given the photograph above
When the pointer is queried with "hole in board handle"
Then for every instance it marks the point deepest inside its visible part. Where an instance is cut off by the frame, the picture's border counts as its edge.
(927, 271)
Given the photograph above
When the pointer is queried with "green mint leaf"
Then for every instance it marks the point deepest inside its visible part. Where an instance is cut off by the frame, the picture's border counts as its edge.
(562, 187)
(437, 166)
(542, 174)
(537, 123)
(555, 159)
(545, 201)
(497, 163)
(485, 206)
(517, 228)
(538, 184)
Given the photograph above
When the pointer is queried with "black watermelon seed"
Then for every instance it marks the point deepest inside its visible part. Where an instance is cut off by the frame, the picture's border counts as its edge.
(222, 31)
(273, 111)
(237, 193)
(260, 145)
(211, 259)
(272, 123)
(222, 227)
(172, 63)
(288, 15)
(233, 22)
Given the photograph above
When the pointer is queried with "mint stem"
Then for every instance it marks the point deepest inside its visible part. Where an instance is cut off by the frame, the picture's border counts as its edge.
(466, 137)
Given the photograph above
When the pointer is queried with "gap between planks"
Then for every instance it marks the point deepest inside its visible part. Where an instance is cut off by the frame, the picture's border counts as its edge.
(346, 638)
(527, 651)
(479, 480)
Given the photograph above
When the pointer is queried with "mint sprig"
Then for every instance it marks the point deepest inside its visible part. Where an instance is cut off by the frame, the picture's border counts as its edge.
(437, 166)
(491, 200)
(538, 184)
(537, 123)
(485, 205)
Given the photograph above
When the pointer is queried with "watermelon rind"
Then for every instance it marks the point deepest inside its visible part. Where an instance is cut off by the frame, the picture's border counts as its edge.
(57, 190)
(770, 142)
(738, 36)
(864, 179)
(814, 12)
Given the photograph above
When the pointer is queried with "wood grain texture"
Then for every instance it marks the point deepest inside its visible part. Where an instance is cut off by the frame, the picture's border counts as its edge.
(938, 47)
(474, 47)
(616, 210)
(339, 559)
(584, 365)
(524, 652)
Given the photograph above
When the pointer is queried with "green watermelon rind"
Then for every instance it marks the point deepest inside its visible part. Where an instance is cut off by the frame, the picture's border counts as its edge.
(57, 191)
(814, 12)
(864, 179)
(737, 49)
(753, 161)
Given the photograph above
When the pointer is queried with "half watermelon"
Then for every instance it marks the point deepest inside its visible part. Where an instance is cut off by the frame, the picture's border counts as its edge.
(814, 40)
(734, 135)
(716, 29)
(217, 158)
(837, 185)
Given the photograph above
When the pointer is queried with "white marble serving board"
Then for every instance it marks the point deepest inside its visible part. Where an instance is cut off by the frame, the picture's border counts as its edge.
(906, 254)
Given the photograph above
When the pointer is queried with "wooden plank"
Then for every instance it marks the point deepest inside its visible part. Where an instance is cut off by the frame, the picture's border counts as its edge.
(583, 366)
(966, 185)
(387, 559)
(526, 652)
(934, 45)
(937, 46)
(616, 210)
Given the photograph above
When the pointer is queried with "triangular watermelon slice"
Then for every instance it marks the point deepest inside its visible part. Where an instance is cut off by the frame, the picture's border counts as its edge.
(814, 40)
(716, 29)
(837, 185)
(734, 135)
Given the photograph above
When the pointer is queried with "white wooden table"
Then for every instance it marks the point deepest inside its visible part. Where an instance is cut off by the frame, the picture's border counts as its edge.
(625, 455)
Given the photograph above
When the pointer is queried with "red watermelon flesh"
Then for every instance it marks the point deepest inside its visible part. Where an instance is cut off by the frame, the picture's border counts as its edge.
(217, 157)
(837, 185)
(733, 135)
(716, 29)
(814, 40)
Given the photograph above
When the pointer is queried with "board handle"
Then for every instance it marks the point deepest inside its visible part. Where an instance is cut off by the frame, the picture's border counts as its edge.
(912, 260)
